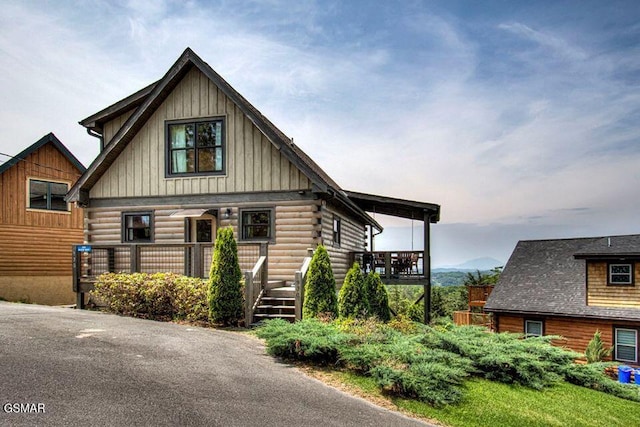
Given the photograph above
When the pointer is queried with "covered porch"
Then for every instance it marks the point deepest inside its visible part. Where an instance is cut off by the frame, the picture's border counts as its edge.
(399, 266)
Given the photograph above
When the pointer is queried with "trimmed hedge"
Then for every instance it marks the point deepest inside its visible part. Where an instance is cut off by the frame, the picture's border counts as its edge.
(159, 296)
(378, 297)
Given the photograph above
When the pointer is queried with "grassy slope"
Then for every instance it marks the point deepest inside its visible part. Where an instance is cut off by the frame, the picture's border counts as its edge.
(493, 404)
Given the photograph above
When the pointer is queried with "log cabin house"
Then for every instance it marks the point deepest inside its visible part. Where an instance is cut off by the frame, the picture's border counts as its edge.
(188, 154)
(37, 226)
(571, 288)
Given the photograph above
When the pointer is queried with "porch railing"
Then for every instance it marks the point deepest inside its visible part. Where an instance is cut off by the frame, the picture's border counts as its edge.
(392, 264)
(255, 284)
(189, 259)
(300, 277)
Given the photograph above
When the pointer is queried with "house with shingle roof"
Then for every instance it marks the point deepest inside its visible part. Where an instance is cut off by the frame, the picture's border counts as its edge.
(571, 288)
(187, 155)
(37, 226)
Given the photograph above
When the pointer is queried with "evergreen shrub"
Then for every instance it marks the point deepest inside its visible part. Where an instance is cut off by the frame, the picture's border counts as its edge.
(378, 297)
(596, 351)
(225, 295)
(320, 287)
(353, 299)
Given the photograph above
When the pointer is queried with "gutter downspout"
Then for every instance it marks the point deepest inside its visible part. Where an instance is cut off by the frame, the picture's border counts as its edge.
(97, 135)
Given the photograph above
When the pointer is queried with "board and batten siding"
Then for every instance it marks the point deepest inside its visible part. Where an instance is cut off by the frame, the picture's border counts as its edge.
(600, 294)
(353, 238)
(297, 227)
(111, 127)
(252, 162)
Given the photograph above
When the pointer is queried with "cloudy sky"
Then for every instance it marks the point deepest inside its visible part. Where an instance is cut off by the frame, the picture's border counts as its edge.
(521, 119)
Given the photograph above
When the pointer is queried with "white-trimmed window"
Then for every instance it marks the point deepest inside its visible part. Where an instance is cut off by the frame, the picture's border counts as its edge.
(620, 274)
(48, 195)
(533, 328)
(625, 345)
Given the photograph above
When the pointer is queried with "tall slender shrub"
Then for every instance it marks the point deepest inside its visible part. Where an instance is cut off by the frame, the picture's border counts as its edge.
(320, 288)
(378, 297)
(353, 300)
(225, 287)
(596, 351)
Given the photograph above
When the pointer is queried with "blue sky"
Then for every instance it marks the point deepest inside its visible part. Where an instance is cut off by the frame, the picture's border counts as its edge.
(522, 119)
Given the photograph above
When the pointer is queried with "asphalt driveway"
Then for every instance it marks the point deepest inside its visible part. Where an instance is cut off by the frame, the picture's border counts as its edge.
(60, 366)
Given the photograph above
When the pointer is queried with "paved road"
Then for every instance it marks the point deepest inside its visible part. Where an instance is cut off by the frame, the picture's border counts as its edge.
(88, 368)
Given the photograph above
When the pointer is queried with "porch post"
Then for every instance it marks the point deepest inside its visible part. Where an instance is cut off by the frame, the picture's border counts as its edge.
(427, 267)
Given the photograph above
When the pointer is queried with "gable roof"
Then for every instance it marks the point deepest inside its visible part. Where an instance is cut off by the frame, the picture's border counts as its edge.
(614, 246)
(48, 138)
(146, 102)
(543, 277)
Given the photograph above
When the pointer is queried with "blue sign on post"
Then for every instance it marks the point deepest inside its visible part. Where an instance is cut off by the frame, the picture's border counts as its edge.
(83, 248)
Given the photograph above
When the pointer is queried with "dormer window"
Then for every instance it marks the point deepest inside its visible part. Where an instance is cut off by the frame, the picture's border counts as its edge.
(620, 274)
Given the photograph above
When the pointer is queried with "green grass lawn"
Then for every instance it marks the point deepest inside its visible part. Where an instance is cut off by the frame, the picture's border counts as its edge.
(489, 403)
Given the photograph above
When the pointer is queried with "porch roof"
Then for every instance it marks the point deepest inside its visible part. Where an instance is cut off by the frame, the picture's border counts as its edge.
(409, 209)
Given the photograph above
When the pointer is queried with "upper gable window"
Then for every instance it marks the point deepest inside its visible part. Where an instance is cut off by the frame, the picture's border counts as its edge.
(195, 147)
(47, 195)
(621, 274)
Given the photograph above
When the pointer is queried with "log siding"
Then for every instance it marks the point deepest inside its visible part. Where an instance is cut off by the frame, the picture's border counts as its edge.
(296, 228)
(600, 293)
(352, 239)
(576, 333)
(252, 161)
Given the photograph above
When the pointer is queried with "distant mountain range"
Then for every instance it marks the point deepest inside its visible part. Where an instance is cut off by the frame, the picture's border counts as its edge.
(482, 264)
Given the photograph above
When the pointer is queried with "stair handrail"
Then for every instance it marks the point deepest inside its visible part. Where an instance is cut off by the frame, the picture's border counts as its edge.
(251, 297)
(300, 277)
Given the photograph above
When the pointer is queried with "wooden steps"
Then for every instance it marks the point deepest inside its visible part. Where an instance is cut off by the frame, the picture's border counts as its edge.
(278, 302)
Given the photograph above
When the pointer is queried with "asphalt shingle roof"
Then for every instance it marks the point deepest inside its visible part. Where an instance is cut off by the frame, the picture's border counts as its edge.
(545, 277)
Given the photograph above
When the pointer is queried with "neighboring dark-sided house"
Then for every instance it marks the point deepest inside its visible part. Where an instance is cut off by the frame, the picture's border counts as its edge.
(188, 154)
(37, 226)
(573, 287)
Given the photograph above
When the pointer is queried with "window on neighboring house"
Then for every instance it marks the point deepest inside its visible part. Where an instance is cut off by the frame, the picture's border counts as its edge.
(137, 227)
(48, 195)
(533, 328)
(195, 147)
(621, 274)
(336, 231)
(626, 345)
(256, 224)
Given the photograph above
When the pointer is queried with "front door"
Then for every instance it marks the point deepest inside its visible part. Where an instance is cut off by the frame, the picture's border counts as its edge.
(202, 229)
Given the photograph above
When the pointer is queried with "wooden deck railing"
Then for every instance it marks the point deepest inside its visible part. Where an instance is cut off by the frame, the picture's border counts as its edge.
(393, 264)
(462, 318)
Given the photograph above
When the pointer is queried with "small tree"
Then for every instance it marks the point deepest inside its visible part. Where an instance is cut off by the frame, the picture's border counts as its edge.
(378, 297)
(596, 351)
(225, 287)
(320, 288)
(352, 299)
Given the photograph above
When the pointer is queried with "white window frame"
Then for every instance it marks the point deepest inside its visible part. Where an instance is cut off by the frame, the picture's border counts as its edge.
(526, 328)
(615, 344)
(619, 264)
